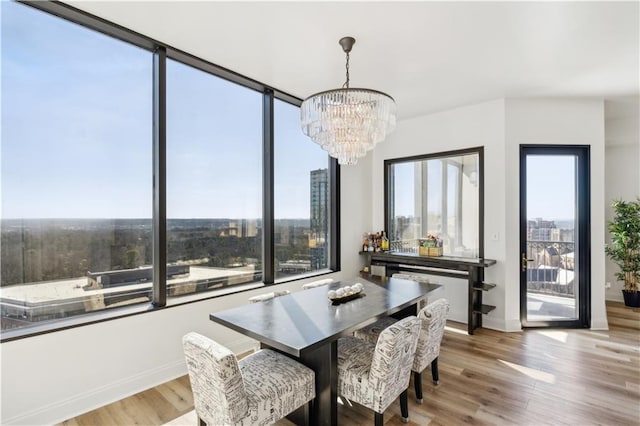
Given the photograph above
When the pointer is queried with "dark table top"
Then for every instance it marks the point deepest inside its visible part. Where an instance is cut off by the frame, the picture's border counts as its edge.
(305, 320)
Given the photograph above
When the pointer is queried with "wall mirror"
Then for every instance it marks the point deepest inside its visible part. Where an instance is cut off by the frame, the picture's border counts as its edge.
(438, 194)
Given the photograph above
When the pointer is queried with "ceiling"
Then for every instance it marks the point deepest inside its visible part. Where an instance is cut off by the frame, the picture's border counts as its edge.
(430, 56)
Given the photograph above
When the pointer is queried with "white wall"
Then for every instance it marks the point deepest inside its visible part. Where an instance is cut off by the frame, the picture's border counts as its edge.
(569, 122)
(471, 126)
(622, 171)
(501, 126)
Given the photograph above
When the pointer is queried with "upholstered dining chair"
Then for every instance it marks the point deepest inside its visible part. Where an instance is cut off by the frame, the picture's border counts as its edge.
(268, 296)
(318, 283)
(374, 375)
(414, 277)
(433, 318)
(257, 390)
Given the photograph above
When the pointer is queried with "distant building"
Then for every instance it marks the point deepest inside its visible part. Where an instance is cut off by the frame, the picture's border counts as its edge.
(567, 235)
(541, 230)
(319, 206)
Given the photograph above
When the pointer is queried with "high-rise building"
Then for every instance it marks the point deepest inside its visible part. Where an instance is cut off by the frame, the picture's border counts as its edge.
(541, 230)
(319, 205)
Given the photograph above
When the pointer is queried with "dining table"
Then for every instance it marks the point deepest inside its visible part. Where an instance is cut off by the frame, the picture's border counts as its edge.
(306, 326)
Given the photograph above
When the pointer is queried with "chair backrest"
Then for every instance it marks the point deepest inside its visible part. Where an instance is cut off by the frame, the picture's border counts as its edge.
(218, 390)
(417, 278)
(392, 360)
(412, 277)
(268, 296)
(318, 283)
(433, 318)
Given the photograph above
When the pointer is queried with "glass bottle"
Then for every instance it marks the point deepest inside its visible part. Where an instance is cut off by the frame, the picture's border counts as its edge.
(385, 242)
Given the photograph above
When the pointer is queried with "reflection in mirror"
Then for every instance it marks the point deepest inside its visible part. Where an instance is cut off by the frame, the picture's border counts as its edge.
(437, 194)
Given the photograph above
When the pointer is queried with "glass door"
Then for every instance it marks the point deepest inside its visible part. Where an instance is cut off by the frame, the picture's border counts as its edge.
(554, 237)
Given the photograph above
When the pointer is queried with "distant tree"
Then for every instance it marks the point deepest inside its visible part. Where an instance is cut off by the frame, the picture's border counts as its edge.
(132, 259)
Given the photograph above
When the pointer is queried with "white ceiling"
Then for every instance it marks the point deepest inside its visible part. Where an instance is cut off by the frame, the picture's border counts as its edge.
(430, 56)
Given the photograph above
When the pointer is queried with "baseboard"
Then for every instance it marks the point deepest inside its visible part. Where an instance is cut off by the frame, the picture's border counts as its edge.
(60, 411)
(599, 324)
(501, 325)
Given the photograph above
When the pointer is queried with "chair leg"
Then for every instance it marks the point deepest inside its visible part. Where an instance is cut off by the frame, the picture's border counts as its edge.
(417, 384)
(434, 371)
(306, 413)
(404, 407)
(201, 422)
(379, 418)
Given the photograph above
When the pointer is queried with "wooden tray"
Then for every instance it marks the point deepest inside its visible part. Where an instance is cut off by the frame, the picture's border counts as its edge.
(339, 300)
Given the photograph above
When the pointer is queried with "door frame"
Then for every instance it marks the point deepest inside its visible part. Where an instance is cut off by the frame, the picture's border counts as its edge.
(583, 233)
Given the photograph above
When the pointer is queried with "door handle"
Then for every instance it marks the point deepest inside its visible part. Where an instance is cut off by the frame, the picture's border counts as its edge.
(524, 262)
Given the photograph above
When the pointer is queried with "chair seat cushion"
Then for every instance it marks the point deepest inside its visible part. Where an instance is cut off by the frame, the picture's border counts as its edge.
(275, 386)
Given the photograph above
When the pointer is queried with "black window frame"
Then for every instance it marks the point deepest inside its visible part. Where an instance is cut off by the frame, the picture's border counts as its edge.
(161, 52)
(388, 186)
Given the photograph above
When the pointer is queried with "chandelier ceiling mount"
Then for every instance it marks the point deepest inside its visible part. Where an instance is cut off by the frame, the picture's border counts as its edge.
(348, 122)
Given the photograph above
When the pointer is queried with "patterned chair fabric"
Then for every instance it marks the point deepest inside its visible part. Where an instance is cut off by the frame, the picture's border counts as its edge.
(318, 283)
(412, 277)
(374, 375)
(418, 278)
(433, 318)
(257, 390)
(268, 296)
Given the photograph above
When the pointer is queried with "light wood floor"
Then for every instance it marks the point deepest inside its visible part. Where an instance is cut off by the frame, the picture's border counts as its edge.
(537, 377)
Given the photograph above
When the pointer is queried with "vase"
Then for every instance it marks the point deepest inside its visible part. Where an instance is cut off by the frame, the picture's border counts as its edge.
(631, 298)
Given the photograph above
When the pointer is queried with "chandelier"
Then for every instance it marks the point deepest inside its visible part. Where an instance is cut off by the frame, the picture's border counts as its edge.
(348, 122)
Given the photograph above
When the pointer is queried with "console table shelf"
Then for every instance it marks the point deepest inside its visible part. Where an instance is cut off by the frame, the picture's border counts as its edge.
(484, 309)
(471, 269)
(484, 287)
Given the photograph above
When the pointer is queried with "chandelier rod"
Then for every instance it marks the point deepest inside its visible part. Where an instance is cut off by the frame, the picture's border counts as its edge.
(347, 44)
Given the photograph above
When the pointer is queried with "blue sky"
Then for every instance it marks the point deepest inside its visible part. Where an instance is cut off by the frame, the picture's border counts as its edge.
(76, 132)
(405, 188)
(551, 187)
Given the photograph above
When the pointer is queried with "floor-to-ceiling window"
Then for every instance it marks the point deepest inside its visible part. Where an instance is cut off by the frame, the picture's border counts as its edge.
(76, 188)
(88, 126)
(302, 198)
(214, 180)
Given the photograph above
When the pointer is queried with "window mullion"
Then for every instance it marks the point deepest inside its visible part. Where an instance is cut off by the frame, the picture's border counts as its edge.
(159, 297)
(268, 221)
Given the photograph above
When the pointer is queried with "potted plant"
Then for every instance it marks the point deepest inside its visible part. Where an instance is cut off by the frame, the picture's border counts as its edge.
(624, 248)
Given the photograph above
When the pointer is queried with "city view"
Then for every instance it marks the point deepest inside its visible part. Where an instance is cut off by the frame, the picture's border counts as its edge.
(550, 254)
(551, 266)
(54, 268)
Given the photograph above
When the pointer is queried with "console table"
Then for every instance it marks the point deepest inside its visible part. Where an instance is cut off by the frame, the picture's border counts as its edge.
(471, 269)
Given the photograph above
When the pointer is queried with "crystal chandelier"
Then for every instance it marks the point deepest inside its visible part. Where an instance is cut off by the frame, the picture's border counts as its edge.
(348, 122)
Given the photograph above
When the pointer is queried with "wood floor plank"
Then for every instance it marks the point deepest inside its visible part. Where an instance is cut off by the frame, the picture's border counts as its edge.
(536, 377)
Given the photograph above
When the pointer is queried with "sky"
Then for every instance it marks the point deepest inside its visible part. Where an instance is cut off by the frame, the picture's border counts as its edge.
(404, 174)
(76, 137)
(551, 187)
